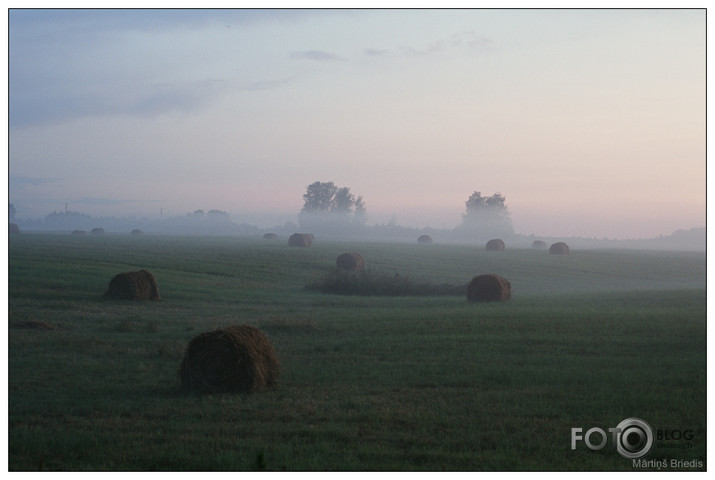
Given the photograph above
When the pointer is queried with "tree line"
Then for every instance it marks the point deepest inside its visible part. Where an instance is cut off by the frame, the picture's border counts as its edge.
(327, 206)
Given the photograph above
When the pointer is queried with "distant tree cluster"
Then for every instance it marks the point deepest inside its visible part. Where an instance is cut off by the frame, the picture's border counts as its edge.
(326, 205)
(486, 216)
(215, 215)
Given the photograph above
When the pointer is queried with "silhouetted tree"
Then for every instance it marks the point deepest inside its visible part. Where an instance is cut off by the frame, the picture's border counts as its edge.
(343, 201)
(325, 206)
(360, 215)
(318, 197)
(486, 216)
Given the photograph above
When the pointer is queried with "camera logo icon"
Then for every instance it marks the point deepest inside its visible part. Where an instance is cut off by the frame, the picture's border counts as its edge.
(634, 438)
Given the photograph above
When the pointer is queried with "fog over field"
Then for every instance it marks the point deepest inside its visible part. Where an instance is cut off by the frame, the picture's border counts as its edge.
(589, 123)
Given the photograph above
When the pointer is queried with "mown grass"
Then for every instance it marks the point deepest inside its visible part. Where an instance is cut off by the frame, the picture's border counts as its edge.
(369, 382)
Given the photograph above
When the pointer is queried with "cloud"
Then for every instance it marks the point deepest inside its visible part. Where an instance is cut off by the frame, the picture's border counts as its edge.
(375, 52)
(19, 181)
(100, 201)
(469, 40)
(161, 98)
(29, 107)
(266, 84)
(73, 63)
(317, 55)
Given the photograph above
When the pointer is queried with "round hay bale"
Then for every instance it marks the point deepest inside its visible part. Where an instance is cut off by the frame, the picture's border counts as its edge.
(300, 240)
(97, 231)
(78, 232)
(352, 261)
(488, 288)
(136, 231)
(559, 248)
(425, 239)
(14, 228)
(139, 285)
(231, 359)
(270, 236)
(495, 245)
(538, 245)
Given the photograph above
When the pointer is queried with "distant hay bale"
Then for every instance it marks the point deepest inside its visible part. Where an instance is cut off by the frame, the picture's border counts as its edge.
(13, 228)
(538, 245)
(97, 231)
(139, 285)
(78, 232)
(495, 245)
(270, 236)
(559, 248)
(236, 359)
(300, 240)
(352, 261)
(425, 239)
(136, 231)
(488, 288)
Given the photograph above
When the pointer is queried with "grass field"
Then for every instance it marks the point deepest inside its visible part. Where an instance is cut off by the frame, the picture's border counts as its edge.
(368, 382)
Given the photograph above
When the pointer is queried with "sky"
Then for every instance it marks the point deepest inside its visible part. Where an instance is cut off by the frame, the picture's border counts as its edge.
(590, 122)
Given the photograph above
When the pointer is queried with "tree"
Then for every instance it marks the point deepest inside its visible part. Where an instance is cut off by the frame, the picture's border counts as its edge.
(343, 201)
(325, 205)
(360, 215)
(318, 197)
(487, 215)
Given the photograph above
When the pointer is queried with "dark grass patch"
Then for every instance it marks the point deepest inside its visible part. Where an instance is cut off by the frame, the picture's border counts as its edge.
(370, 283)
(33, 325)
(279, 323)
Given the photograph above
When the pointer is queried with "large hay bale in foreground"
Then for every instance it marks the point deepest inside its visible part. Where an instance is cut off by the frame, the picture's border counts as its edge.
(425, 239)
(231, 359)
(488, 288)
(559, 248)
(538, 245)
(139, 285)
(97, 231)
(300, 240)
(352, 261)
(495, 245)
(14, 228)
